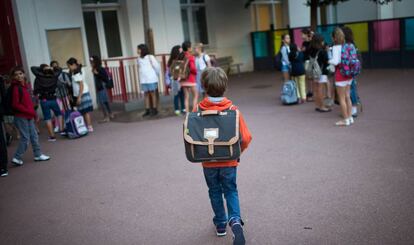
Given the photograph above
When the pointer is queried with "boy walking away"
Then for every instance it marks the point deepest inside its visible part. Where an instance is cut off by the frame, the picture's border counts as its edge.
(24, 115)
(3, 142)
(221, 176)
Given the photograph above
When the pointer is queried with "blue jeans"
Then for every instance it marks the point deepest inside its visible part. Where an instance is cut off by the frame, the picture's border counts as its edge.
(28, 135)
(179, 99)
(354, 93)
(48, 105)
(223, 181)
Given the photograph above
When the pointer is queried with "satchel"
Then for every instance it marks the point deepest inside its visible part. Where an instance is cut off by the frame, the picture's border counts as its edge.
(212, 136)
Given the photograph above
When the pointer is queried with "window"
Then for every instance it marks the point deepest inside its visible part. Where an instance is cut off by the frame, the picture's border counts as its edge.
(103, 31)
(267, 13)
(65, 43)
(193, 15)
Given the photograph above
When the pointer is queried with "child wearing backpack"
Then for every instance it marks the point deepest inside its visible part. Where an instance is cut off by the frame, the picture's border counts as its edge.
(221, 176)
(81, 96)
(101, 79)
(189, 84)
(349, 39)
(202, 62)
(177, 91)
(317, 70)
(342, 81)
(296, 59)
(24, 115)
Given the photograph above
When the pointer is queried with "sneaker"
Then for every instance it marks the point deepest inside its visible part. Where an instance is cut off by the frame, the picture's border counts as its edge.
(17, 162)
(147, 113)
(4, 173)
(343, 123)
(42, 158)
(105, 120)
(90, 129)
(351, 120)
(177, 112)
(51, 139)
(63, 133)
(221, 229)
(56, 129)
(238, 235)
(154, 112)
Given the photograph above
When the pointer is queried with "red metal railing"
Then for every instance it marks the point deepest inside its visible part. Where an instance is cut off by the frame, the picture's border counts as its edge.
(126, 80)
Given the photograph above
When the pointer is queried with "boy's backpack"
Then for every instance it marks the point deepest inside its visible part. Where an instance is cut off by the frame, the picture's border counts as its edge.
(278, 61)
(212, 136)
(110, 83)
(350, 64)
(289, 94)
(313, 70)
(8, 100)
(180, 70)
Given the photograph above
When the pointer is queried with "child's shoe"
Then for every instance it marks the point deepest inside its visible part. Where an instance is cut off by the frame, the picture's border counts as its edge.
(17, 162)
(51, 138)
(4, 173)
(343, 123)
(90, 129)
(154, 112)
(42, 158)
(177, 112)
(351, 120)
(147, 113)
(221, 229)
(238, 235)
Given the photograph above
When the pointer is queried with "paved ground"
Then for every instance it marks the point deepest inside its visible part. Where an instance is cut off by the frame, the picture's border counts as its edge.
(303, 181)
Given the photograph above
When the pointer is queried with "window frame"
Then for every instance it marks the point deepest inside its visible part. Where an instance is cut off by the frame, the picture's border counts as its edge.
(255, 13)
(188, 7)
(98, 9)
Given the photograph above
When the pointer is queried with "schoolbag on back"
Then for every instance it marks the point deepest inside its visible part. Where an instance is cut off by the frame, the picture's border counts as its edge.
(278, 61)
(8, 100)
(313, 70)
(180, 70)
(289, 94)
(212, 136)
(110, 83)
(350, 64)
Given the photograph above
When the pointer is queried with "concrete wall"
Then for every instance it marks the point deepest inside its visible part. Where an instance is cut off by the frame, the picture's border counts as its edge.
(229, 26)
(356, 10)
(34, 17)
(404, 8)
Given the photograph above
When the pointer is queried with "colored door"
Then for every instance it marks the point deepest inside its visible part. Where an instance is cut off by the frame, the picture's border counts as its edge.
(9, 45)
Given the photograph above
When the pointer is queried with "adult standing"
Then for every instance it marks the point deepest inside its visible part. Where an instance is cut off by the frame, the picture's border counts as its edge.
(101, 79)
(342, 82)
(148, 72)
(189, 84)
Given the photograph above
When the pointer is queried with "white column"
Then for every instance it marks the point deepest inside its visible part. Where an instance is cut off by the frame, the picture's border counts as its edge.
(386, 11)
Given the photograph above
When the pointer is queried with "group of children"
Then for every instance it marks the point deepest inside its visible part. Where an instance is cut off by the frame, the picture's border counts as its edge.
(318, 71)
(56, 91)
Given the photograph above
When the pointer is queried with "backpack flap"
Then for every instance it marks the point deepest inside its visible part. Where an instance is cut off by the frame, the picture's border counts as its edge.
(211, 136)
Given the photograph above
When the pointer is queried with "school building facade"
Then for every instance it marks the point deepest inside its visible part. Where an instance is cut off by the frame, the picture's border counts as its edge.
(38, 31)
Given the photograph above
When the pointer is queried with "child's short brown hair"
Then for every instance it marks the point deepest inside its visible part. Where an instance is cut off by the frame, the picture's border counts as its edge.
(214, 81)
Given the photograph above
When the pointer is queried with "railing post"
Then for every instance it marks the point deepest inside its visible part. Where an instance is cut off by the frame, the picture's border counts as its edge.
(164, 64)
(111, 95)
(122, 80)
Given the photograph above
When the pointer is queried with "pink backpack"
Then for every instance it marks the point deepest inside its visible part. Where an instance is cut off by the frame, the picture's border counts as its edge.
(350, 64)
